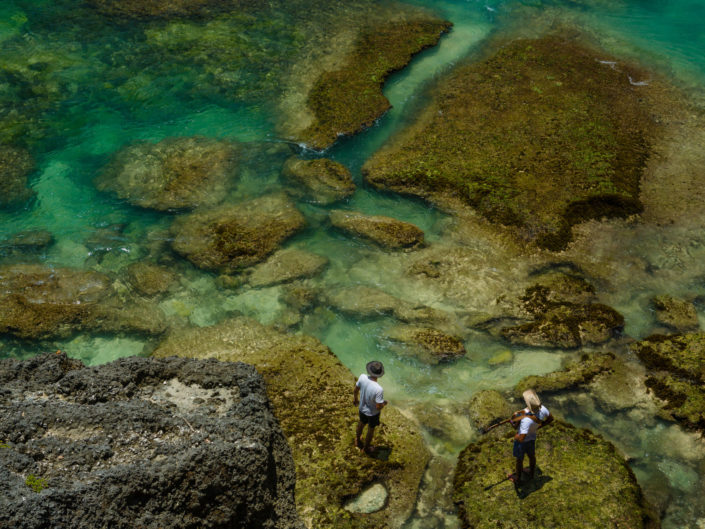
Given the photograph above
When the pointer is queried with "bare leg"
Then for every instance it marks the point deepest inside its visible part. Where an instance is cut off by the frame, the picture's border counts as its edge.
(532, 466)
(358, 434)
(368, 439)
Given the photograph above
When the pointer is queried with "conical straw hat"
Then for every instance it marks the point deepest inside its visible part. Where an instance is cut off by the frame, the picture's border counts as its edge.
(532, 400)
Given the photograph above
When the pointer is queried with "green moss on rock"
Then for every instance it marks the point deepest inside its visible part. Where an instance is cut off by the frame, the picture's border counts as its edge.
(573, 374)
(540, 136)
(681, 354)
(386, 232)
(311, 396)
(321, 181)
(347, 100)
(676, 314)
(581, 482)
(15, 165)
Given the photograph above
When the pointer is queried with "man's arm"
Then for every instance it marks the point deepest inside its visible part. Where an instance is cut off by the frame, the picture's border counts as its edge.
(380, 405)
(379, 400)
(356, 395)
(548, 420)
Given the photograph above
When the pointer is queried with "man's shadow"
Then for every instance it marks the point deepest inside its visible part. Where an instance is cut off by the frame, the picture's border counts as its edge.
(527, 486)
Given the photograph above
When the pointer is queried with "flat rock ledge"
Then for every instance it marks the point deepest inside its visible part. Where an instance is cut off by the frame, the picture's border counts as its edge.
(581, 482)
(384, 231)
(140, 442)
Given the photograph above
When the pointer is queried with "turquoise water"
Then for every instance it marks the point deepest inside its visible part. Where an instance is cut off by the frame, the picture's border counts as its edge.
(84, 87)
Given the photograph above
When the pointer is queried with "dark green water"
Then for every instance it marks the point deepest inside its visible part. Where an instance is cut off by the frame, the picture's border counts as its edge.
(76, 87)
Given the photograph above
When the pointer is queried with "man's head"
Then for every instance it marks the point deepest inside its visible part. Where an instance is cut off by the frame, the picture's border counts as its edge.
(375, 369)
(532, 400)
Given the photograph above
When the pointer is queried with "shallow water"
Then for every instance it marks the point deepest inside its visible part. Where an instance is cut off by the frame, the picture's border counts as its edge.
(109, 89)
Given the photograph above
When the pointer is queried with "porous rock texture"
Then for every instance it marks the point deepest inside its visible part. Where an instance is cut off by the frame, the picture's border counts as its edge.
(581, 481)
(233, 236)
(675, 314)
(311, 396)
(321, 181)
(173, 174)
(538, 137)
(430, 345)
(167, 443)
(387, 232)
(39, 302)
(15, 165)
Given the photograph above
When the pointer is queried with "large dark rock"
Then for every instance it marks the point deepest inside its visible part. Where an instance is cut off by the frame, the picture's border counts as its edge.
(38, 302)
(168, 443)
(175, 173)
(231, 237)
(15, 165)
(581, 481)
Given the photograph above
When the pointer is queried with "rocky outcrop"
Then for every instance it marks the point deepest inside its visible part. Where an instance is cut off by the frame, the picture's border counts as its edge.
(387, 232)
(173, 174)
(558, 138)
(560, 323)
(349, 99)
(15, 166)
(321, 181)
(579, 474)
(231, 237)
(675, 314)
(676, 375)
(577, 373)
(489, 407)
(311, 396)
(429, 345)
(150, 279)
(38, 302)
(140, 443)
(286, 266)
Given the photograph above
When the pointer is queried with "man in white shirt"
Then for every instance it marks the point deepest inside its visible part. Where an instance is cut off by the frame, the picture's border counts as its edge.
(369, 396)
(527, 422)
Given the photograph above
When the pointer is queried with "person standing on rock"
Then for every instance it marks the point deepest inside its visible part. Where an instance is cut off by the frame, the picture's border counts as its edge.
(369, 397)
(527, 422)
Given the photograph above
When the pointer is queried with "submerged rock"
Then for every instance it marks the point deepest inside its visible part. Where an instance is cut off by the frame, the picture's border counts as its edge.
(574, 374)
(286, 266)
(581, 481)
(234, 236)
(161, 8)
(175, 173)
(363, 302)
(150, 279)
(349, 99)
(385, 231)
(15, 166)
(38, 302)
(322, 181)
(141, 443)
(558, 137)
(298, 369)
(23, 245)
(431, 345)
(675, 314)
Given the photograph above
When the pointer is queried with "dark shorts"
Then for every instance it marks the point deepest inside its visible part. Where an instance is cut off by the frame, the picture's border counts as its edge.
(527, 447)
(370, 420)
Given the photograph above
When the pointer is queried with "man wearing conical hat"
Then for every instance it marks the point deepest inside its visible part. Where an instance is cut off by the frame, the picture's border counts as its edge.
(527, 422)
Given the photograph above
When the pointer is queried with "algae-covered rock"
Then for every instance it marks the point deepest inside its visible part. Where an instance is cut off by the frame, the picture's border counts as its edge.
(539, 137)
(311, 396)
(488, 407)
(28, 240)
(15, 166)
(141, 443)
(363, 302)
(682, 400)
(574, 374)
(38, 302)
(581, 481)
(286, 266)
(385, 231)
(430, 345)
(175, 173)
(150, 279)
(231, 237)
(676, 314)
(321, 181)
(349, 99)
(681, 354)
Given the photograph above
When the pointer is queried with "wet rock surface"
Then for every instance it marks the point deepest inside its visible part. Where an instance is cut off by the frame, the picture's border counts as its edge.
(15, 166)
(173, 174)
(231, 237)
(150, 279)
(286, 266)
(387, 232)
(38, 302)
(488, 407)
(559, 138)
(430, 345)
(321, 181)
(581, 481)
(576, 373)
(329, 469)
(675, 314)
(141, 443)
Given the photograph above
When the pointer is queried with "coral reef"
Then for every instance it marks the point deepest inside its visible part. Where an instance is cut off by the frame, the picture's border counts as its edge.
(231, 237)
(539, 137)
(329, 470)
(141, 443)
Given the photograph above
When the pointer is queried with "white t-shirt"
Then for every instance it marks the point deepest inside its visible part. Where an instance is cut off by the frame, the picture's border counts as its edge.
(528, 426)
(370, 394)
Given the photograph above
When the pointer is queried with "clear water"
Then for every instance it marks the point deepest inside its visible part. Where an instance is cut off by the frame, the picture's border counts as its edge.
(112, 84)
